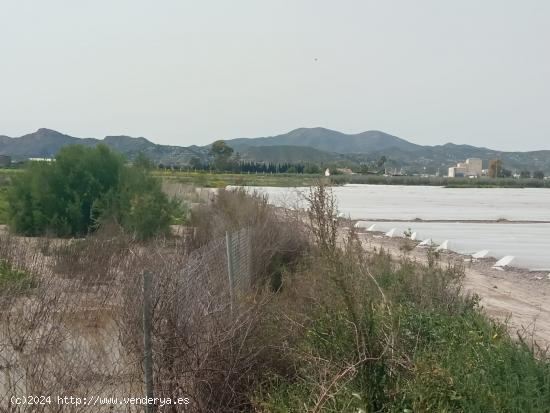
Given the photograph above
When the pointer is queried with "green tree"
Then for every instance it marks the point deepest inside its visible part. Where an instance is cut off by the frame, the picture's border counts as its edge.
(222, 154)
(195, 163)
(139, 205)
(381, 162)
(538, 175)
(143, 162)
(312, 168)
(505, 173)
(60, 197)
(83, 187)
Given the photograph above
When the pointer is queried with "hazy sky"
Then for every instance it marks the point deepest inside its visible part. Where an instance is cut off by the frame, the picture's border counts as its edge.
(187, 72)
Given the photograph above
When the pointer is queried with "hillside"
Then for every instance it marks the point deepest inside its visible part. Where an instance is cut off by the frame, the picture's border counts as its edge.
(45, 143)
(315, 145)
(371, 145)
(330, 141)
(289, 153)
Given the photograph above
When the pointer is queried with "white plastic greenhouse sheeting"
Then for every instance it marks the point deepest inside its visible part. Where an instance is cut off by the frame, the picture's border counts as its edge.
(528, 243)
(427, 202)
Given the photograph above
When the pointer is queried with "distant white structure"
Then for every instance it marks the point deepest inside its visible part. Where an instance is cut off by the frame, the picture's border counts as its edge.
(473, 167)
(480, 254)
(391, 233)
(504, 262)
(426, 243)
(327, 172)
(443, 247)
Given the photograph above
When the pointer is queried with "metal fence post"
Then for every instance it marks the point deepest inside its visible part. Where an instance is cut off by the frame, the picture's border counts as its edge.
(229, 244)
(147, 345)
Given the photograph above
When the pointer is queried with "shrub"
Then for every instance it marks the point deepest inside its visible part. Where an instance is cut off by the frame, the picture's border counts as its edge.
(14, 280)
(277, 236)
(139, 205)
(61, 197)
(83, 187)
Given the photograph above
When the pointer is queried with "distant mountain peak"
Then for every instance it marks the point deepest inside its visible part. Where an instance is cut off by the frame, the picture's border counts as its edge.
(42, 132)
(330, 141)
(315, 144)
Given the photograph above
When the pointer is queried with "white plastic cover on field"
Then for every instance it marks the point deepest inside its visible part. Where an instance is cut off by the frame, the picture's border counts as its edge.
(527, 241)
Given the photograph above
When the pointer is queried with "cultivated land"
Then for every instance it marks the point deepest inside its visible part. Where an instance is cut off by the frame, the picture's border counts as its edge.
(221, 180)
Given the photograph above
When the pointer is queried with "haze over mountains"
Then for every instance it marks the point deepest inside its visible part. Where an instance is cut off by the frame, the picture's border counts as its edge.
(317, 145)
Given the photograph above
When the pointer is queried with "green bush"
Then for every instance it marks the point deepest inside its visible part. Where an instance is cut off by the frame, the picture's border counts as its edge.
(408, 343)
(82, 188)
(139, 204)
(14, 280)
(61, 197)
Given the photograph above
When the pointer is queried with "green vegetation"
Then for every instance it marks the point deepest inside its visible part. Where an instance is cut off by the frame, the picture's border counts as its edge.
(386, 335)
(3, 205)
(83, 188)
(414, 352)
(13, 279)
(221, 154)
(221, 180)
(440, 181)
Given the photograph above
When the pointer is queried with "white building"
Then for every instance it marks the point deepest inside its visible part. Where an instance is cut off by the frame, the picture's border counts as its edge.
(473, 167)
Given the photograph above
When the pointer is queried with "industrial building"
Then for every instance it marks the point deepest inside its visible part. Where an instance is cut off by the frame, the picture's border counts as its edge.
(473, 167)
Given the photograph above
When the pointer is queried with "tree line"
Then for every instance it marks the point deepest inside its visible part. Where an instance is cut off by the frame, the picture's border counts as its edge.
(497, 170)
(237, 166)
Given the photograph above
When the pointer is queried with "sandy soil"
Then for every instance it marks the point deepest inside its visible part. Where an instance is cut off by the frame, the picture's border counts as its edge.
(519, 297)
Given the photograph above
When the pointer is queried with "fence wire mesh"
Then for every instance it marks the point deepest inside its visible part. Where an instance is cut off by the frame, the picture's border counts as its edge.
(76, 328)
(239, 259)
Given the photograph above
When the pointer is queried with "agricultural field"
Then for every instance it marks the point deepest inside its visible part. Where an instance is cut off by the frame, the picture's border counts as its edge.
(221, 180)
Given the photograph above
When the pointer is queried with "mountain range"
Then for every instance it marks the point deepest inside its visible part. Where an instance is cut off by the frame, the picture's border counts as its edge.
(316, 145)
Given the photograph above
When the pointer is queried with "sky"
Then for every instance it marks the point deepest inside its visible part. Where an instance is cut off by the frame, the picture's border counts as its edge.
(185, 72)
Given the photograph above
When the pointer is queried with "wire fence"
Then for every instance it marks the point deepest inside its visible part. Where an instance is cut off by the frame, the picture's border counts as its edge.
(78, 329)
(238, 260)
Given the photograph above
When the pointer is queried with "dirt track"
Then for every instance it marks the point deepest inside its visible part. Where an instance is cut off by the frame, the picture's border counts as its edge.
(520, 297)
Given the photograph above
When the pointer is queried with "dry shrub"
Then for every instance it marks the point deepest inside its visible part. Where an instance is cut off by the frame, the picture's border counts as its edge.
(206, 346)
(323, 217)
(78, 331)
(56, 336)
(278, 236)
(92, 260)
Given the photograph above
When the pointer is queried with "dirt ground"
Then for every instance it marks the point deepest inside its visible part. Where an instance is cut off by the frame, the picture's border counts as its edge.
(519, 297)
